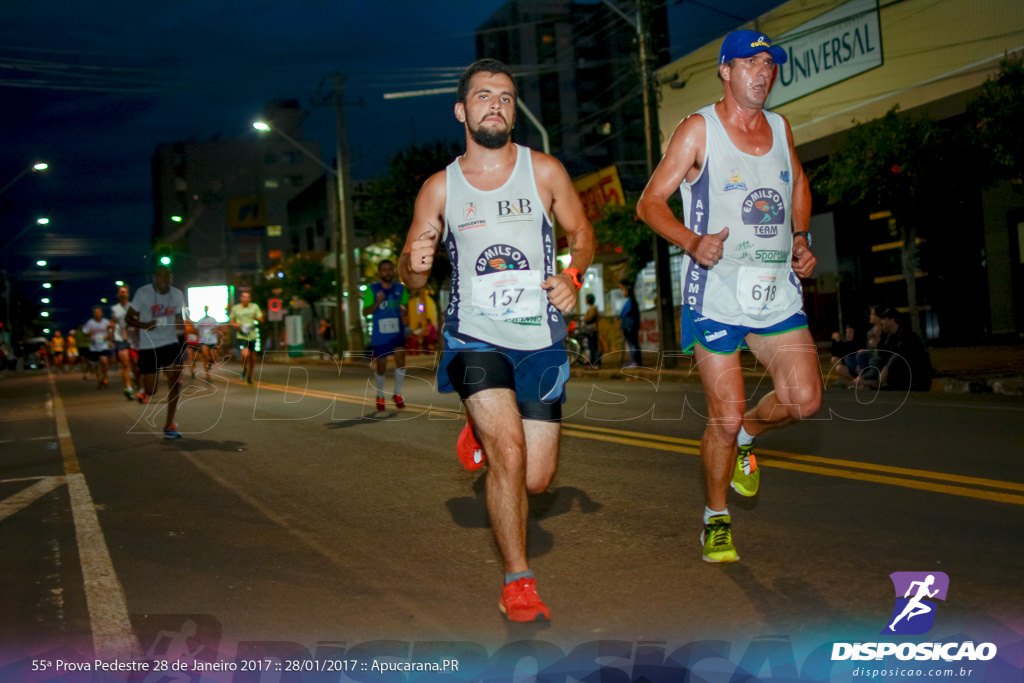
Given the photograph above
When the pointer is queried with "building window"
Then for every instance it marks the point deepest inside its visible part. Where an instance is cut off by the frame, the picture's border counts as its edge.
(270, 183)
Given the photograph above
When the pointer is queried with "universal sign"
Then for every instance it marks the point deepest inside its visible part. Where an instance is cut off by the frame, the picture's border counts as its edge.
(831, 48)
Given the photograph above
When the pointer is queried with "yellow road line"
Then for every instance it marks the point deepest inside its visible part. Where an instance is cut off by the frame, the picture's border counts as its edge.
(974, 481)
(778, 459)
(570, 430)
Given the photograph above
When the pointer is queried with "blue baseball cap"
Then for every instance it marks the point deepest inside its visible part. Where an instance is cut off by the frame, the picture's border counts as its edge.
(744, 44)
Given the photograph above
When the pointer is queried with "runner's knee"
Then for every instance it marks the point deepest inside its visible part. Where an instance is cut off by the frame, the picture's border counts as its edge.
(726, 427)
(803, 402)
(538, 479)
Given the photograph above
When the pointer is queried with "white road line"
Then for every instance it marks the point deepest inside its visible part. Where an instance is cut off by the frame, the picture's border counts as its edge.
(112, 636)
(29, 495)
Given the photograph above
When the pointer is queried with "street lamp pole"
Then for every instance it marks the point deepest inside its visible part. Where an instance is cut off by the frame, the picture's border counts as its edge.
(7, 279)
(33, 167)
(662, 261)
(346, 227)
(346, 321)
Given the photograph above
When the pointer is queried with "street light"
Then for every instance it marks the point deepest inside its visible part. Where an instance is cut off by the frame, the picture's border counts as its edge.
(47, 285)
(39, 221)
(119, 283)
(344, 236)
(44, 300)
(545, 140)
(31, 169)
(41, 263)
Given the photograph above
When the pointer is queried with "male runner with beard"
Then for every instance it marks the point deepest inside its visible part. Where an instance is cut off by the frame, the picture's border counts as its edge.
(386, 300)
(493, 209)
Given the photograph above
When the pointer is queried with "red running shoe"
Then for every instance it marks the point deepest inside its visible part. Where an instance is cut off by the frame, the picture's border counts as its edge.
(142, 397)
(470, 451)
(399, 401)
(520, 602)
(380, 403)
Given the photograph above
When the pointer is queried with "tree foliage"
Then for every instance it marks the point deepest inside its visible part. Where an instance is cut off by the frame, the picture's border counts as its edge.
(388, 208)
(899, 164)
(620, 226)
(894, 163)
(997, 116)
(302, 277)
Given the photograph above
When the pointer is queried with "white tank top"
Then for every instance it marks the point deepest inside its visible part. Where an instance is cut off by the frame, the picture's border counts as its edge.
(501, 244)
(754, 284)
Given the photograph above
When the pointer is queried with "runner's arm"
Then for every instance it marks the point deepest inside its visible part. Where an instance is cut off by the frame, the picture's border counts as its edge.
(803, 258)
(131, 318)
(568, 212)
(685, 152)
(369, 302)
(424, 234)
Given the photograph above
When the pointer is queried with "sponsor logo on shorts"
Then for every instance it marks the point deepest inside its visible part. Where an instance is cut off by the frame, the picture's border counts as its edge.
(712, 336)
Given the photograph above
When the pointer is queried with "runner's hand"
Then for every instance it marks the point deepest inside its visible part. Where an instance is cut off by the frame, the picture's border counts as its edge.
(803, 260)
(421, 251)
(710, 248)
(380, 297)
(561, 291)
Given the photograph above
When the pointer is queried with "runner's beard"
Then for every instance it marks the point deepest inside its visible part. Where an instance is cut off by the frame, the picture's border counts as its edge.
(490, 138)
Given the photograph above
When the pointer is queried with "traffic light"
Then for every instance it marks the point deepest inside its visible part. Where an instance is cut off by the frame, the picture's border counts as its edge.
(164, 254)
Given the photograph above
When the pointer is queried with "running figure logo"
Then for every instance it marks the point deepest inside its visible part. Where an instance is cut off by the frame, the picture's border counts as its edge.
(914, 612)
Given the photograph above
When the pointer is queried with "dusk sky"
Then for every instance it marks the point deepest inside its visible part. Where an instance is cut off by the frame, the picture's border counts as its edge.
(93, 88)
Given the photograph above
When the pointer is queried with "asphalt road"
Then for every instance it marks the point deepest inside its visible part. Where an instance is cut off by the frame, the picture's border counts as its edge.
(293, 512)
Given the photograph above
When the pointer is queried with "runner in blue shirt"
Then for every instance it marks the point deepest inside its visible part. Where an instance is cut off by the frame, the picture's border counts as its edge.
(386, 301)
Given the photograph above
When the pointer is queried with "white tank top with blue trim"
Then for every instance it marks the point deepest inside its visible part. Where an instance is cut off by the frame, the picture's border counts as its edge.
(754, 284)
(501, 244)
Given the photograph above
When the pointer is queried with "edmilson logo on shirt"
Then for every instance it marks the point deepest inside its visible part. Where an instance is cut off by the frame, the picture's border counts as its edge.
(501, 257)
(764, 210)
(514, 210)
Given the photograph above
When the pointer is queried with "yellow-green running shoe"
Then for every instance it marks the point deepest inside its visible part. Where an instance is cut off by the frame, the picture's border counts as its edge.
(746, 478)
(717, 540)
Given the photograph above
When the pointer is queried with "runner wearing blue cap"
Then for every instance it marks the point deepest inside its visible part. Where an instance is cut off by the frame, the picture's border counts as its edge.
(747, 207)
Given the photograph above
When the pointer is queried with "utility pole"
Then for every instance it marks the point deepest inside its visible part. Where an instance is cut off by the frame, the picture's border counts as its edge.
(349, 323)
(652, 134)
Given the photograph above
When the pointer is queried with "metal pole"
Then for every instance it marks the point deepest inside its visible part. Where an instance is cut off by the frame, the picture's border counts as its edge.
(346, 227)
(662, 261)
(16, 179)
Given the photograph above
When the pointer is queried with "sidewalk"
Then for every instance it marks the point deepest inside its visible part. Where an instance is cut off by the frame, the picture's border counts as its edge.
(962, 369)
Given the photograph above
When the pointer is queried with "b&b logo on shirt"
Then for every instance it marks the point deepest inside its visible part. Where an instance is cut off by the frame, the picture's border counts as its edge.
(514, 210)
